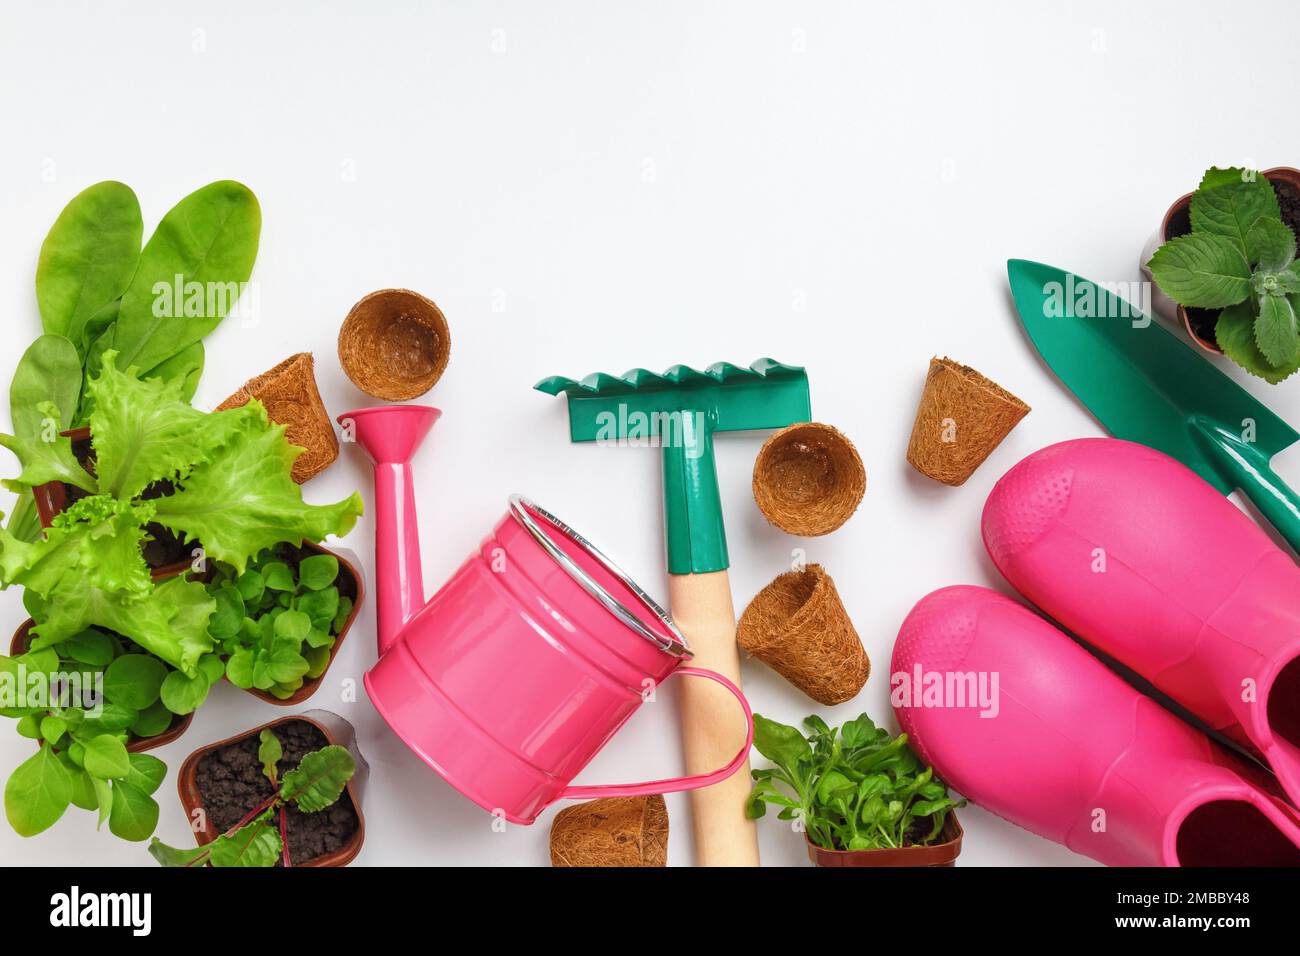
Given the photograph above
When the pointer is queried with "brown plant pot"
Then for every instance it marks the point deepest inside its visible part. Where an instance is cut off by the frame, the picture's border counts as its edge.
(808, 479)
(336, 731)
(180, 723)
(394, 344)
(291, 398)
(936, 854)
(52, 498)
(1177, 222)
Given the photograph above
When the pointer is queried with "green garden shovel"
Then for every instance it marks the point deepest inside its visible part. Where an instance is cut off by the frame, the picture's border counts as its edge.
(1145, 385)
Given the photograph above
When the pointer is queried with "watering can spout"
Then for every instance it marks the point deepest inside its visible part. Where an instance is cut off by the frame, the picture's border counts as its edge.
(390, 435)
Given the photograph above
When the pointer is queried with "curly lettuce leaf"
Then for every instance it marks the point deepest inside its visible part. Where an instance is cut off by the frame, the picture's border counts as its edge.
(88, 571)
(145, 431)
(47, 457)
(245, 500)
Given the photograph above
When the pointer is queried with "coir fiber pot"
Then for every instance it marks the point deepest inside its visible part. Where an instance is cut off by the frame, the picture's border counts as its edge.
(394, 344)
(180, 723)
(1177, 221)
(943, 853)
(53, 497)
(336, 731)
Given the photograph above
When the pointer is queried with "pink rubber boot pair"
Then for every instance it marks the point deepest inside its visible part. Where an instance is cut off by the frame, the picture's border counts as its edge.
(1149, 565)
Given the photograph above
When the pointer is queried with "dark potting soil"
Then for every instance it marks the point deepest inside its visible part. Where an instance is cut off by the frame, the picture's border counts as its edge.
(231, 783)
(1203, 321)
(163, 547)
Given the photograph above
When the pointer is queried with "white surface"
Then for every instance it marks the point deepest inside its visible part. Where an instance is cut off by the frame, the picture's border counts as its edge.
(588, 186)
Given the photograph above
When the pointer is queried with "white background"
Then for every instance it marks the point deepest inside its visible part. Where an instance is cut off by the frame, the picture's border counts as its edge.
(586, 186)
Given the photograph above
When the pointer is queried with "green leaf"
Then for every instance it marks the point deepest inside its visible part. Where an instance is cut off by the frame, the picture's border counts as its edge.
(246, 500)
(53, 728)
(1270, 244)
(88, 258)
(83, 785)
(209, 238)
(318, 571)
(239, 668)
(284, 664)
(112, 719)
(106, 758)
(318, 661)
(277, 576)
(30, 727)
(182, 371)
(782, 744)
(1230, 210)
(37, 793)
(48, 374)
(269, 753)
(134, 815)
(172, 623)
(171, 856)
(1207, 271)
(1215, 176)
(48, 456)
(153, 720)
(251, 585)
(229, 613)
(256, 844)
(147, 773)
(321, 607)
(1275, 331)
(293, 627)
(144, 432)
(103, 791)
(319, 778)
(1235, 334)
(184, 695)
(134, 680)
(89, 647)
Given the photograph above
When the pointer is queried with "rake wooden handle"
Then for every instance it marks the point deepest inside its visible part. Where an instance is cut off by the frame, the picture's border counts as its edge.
(711, 723)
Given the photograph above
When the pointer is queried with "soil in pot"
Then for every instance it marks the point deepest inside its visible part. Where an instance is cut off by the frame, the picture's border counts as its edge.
(231, 783)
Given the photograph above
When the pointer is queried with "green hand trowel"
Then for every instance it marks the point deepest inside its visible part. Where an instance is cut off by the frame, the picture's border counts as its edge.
(1144, 385)
(679, 412)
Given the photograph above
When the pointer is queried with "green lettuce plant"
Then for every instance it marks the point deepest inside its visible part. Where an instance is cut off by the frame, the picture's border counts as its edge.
(1239, 258)
(261, 837)
(851, 788)
(232, 491)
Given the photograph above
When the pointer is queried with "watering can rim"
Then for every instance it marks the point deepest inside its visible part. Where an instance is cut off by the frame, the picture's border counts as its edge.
(522, 510)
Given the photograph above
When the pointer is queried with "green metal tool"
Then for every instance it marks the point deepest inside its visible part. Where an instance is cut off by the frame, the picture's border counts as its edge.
(1145, 385)
(680, 411)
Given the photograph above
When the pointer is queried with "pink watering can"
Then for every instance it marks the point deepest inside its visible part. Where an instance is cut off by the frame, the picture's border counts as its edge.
(527, 661)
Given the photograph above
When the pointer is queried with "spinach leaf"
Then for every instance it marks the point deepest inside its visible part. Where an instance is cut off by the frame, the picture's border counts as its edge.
(37, 793)
(209, 239)
(87, 260)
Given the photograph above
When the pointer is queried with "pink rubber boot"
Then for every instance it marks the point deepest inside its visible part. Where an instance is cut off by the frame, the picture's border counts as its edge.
(1140, 558)
(1050, 739)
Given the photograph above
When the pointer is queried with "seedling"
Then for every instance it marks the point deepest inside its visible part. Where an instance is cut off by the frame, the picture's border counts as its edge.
(852, 788)
(261, 838)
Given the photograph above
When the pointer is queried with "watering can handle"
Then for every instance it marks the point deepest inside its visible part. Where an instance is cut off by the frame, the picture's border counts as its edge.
(675, 784)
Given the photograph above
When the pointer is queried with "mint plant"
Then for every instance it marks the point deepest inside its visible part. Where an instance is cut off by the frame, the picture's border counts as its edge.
(1240, 257)
(852, 788)
(261, 837)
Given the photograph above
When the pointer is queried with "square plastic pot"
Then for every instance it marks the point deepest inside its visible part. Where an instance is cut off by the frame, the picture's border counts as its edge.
(944, 853)
(180, 723)
(336, 731)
